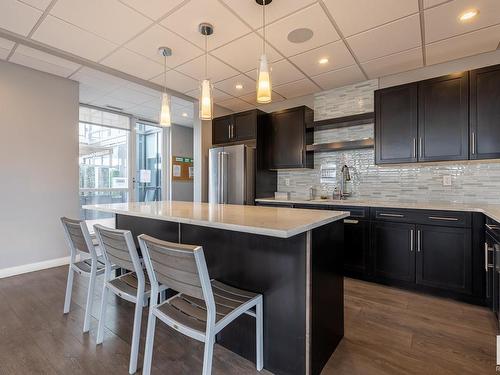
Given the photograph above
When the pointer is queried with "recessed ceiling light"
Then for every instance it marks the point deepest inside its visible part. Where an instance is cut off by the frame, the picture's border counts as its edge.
(184, 114)
(468, 15)
(238, 86)
(300, 35)
(323, 61)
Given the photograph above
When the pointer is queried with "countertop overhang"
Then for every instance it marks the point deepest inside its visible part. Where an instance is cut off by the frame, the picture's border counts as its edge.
(490, 210)
(267, 221)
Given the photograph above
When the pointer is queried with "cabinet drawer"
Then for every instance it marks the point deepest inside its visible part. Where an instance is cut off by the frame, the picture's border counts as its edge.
(357, 212)
(393, 214)
(445, 218)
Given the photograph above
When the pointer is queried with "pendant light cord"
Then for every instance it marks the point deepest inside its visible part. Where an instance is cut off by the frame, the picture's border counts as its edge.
(206, 56)
(165, 74)
(264, 25)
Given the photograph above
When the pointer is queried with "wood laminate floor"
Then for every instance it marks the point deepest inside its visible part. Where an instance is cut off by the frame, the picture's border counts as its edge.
(388, 331)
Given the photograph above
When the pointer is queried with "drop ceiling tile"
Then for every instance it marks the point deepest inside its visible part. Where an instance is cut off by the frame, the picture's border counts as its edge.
(396, 63)
(98, 80)
(132, 96)
(393, 37)
(113, 103)
(154, 9)
(281, 72)
(5, 48)
(186, 20)
(217, 94)
(133, 64)
(251, 12)
(146, 113)
(217, 70)
(244, 53)
(432, 3)
(354, 16)
(480, 41)
(45, 62)
(295, 89)
(339, 78)
(252, 98)
(229, 85)
(95, 16)
(147, 44)
(182, 102)
(177, 81)
(236, 105)
(18, 17)
(313, 18)
(337, 54)
(442, 22)
(69, 38)
(39, 4)
(89, 93)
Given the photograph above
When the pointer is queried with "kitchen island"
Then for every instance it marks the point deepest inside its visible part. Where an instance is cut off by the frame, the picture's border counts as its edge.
(293, 258)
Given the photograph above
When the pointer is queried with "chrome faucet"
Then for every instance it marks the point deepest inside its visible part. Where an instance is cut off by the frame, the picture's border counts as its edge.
(346, 176)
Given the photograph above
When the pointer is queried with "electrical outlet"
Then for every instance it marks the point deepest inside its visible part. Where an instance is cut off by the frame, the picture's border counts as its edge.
(446, 180)
(287, 182)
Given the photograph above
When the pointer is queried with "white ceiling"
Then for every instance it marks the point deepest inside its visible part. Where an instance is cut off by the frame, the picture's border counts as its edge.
(361, 38)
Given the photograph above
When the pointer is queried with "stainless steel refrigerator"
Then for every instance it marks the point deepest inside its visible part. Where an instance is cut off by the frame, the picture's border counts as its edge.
(231, 172)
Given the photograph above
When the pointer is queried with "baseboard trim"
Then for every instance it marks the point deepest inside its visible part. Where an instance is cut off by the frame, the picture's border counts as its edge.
(26, 268)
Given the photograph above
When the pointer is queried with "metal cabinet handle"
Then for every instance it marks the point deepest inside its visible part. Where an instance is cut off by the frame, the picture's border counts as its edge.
(419, 241)
(473, 143)
(486, 250)
(232, 130)
(350, 221)
(420, 147)
(414, 147)
(391, 215)
(443, 218)
(411, 240)
(229, 131)
(492, 227)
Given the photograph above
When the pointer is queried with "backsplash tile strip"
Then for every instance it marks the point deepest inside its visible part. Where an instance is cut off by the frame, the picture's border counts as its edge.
(472, 181)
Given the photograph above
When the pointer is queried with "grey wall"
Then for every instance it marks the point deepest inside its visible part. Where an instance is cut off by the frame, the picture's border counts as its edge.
(182, 145)
(38, 164)
(471, 181)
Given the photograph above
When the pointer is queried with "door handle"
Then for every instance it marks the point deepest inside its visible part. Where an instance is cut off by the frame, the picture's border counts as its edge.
(419, 241)
(411, 239)
(391, 215)
(420, 147)
(492, 227)
(350, 221)
(443, 218)
(229, 131)
(486, 250)
(414, 147)
(473, 143)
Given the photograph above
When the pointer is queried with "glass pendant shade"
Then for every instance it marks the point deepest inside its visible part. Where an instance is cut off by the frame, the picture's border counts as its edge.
(165, 120)
(264, 88)
(206, 100)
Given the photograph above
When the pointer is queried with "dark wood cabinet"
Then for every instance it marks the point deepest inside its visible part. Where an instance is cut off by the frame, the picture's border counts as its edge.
(221, 130)
(393, 251)
(444, 258)
(485, 113)
(356, 253)
(443, 118)
(396, 124)
(238, 127)
(287, 136)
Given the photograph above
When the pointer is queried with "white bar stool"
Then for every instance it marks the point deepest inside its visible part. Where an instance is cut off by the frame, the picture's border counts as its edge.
(80, 243)
(118, 249)
(202, 308)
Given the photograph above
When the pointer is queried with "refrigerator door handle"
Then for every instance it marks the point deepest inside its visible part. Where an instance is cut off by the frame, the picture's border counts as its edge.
(223, 177)
(219, 174)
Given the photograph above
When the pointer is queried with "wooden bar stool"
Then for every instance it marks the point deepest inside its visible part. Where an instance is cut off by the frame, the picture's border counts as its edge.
(81, 244)
(118, 249)
(202, 308)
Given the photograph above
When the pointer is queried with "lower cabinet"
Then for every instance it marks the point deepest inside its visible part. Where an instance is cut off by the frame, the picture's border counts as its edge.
(393, 251)
(356, 254)
(444, 258)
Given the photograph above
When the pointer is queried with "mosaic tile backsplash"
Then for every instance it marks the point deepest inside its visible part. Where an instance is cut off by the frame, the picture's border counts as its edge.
(472, 181)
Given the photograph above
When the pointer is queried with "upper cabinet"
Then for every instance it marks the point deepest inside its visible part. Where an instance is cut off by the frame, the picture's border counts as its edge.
(443, 118)
(454, 117)
(238, 127)
(396, 124)
(485, 113)
(286, 137)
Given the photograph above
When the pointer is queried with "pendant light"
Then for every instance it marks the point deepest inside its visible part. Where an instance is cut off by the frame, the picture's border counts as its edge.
(165, 120)
(206, 98)
(264, 88)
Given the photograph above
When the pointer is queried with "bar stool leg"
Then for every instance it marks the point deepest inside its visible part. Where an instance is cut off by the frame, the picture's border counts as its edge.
(90, 295)
(102, 315)
(209, 353)
(150, 337)
(259, 323)
(136, 333)
(69, 289)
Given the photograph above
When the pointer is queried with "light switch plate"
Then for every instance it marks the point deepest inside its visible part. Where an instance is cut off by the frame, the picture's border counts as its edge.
(287, 182)
(446, 180)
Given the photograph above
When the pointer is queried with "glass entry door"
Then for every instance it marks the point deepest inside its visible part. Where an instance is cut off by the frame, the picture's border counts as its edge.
(148, 163)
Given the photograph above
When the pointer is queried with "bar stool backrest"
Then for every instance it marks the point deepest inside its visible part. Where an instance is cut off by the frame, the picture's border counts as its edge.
(118, 247)
(180, 267)
(78, 237)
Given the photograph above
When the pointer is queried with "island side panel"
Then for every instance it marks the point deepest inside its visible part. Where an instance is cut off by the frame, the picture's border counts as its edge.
(161, 229)
(274, 267)
(327, 293)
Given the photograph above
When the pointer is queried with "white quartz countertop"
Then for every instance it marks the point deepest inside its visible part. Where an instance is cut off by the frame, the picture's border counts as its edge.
(268, 221)
(490, 210)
